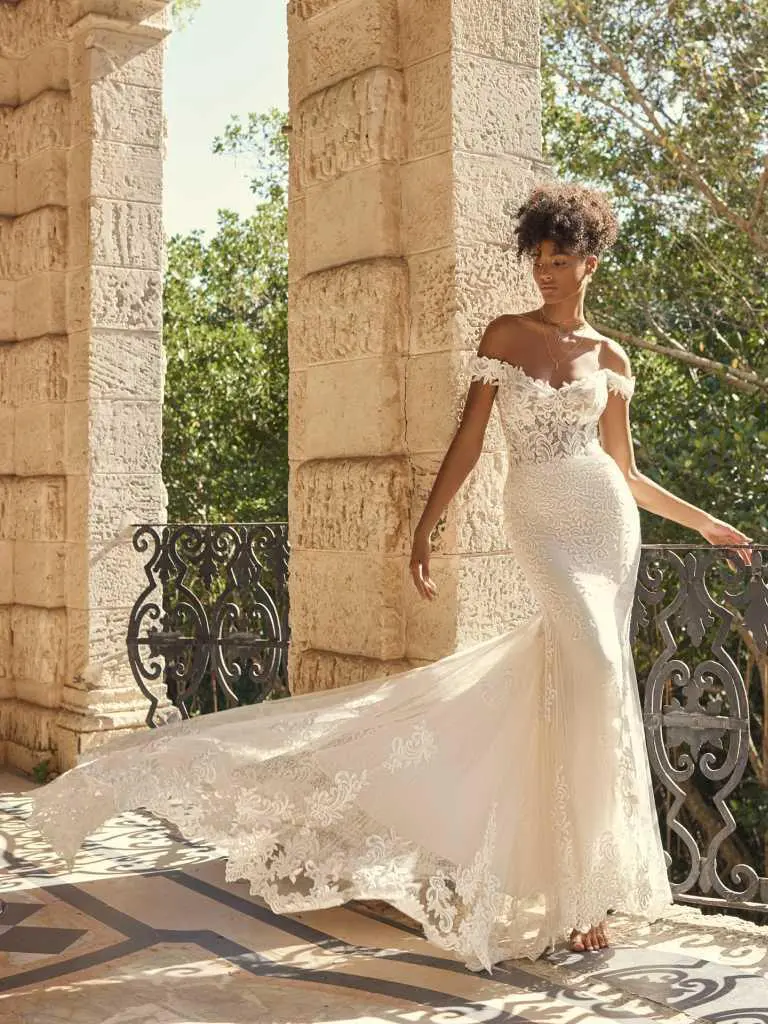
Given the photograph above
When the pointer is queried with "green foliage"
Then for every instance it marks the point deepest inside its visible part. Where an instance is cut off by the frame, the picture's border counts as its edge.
(225, 455)
(41, 772)
(261, 139)
(184, 9)
(751, 805)
(665, 105)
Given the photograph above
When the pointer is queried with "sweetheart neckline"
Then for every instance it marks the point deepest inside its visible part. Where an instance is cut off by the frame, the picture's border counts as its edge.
(551, 387)
(545, 383)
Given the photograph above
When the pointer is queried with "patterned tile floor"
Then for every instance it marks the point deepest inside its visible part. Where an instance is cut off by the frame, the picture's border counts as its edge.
(146, 931)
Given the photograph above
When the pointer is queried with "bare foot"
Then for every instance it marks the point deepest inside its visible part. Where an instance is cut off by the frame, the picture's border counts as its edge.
(596, 938)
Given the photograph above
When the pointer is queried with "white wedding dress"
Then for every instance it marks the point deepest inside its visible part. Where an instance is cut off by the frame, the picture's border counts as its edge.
(500, 796)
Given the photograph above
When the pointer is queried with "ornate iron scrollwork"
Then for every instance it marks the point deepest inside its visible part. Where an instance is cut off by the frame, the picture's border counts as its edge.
(697, 708)
(212, 622)
(211, 630)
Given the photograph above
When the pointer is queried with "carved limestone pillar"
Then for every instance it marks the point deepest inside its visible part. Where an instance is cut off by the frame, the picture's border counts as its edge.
(415, 135)
(80, 361)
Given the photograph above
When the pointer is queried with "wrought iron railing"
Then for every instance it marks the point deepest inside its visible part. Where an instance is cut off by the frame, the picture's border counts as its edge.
(212, 622)
(212, 625)
(702, 663)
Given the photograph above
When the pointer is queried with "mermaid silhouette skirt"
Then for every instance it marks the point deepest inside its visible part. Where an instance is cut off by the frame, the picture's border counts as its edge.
(501, 795)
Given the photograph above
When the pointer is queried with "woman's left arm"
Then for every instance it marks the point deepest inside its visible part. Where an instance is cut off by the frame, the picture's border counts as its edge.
(616, 439)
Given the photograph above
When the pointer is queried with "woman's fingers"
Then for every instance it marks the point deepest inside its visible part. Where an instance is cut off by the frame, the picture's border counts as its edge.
(419, 566)
(741, 550)
(745, 553)
(428, 582)
(722, 534)
(424, 584)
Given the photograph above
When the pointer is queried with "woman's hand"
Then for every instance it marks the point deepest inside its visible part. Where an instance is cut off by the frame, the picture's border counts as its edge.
(419, 565)
(718, 532)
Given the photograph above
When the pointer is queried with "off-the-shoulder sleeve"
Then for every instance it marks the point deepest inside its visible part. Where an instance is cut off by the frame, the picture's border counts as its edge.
(624, 386)
(486, 369)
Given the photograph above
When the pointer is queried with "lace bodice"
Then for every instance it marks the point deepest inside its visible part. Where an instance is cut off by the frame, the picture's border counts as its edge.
(542, 422)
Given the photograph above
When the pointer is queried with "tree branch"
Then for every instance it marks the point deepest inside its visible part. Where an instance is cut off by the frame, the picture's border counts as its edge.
(762, 184)
(659, 136)
(741, 380)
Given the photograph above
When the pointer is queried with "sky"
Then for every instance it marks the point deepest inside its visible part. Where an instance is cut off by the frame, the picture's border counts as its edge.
(231, 59)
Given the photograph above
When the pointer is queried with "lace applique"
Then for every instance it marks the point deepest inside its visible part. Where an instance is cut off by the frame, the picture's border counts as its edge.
(420, 747)
(549, 680)
(624, 386)
(558, 499)
(487, 369)
(327, 806)
(495, 371)
(304, 838)
(542, 422)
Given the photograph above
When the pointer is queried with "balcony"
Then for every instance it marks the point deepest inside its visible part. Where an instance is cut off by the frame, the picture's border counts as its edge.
(146, 929)
(213, 620)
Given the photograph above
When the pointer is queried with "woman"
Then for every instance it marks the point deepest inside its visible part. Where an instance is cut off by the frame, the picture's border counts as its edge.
(501, 796)
(570, 500)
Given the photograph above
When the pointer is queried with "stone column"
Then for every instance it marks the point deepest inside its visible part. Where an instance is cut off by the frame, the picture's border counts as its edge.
(80, 362)
(415, 136)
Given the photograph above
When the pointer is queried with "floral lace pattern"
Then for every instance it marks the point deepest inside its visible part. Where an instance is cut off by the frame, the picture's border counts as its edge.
(542, 422)
(500, 796)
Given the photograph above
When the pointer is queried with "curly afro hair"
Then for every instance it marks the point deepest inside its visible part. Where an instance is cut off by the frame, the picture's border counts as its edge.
(575, 218)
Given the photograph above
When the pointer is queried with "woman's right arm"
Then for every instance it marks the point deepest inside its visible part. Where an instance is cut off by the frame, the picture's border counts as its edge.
(458, 462)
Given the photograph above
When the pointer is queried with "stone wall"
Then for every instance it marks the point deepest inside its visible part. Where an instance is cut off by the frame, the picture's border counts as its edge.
(81, 132)
(415, 136)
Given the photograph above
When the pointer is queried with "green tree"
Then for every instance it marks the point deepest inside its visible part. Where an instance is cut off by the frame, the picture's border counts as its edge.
(225, 414)
(184, 9)
(665, 105)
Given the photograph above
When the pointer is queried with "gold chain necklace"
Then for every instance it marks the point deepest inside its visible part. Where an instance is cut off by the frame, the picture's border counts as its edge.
(561, 335)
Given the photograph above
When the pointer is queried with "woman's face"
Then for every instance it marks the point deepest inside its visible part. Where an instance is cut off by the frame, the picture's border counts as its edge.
(558, 273)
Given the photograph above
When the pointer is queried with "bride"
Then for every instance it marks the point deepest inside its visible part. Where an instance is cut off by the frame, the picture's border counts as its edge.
(501, 796)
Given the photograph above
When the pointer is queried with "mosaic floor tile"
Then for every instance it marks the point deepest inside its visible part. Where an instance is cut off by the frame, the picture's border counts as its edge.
(697, 986)
(145, 930)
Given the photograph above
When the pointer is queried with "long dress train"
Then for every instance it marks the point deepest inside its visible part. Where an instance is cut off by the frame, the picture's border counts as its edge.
(501, 795)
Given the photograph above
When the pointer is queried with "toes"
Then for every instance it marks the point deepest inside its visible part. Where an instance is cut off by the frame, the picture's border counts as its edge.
(593, 940)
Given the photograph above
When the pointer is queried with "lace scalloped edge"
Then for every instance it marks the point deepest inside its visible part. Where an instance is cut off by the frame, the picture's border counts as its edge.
(491, 370)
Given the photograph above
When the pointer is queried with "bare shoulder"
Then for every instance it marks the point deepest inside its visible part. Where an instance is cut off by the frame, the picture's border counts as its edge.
(505, 336)
(614, 357)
